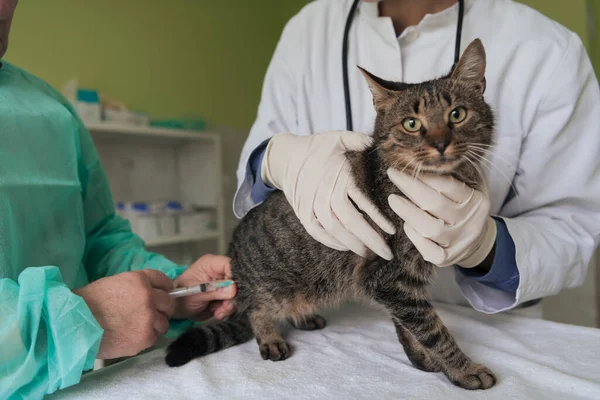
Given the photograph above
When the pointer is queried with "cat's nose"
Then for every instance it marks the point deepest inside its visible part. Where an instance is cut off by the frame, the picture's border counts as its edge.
(439, 138)
(441, 146)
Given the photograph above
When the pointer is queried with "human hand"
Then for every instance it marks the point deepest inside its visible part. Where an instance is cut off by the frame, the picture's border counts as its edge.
(201, 306)
(133, 308)
(315, 176)
(447, 221)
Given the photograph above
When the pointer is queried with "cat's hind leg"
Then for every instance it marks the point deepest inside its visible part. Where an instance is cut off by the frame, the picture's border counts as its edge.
(270, 343)
(308, 323)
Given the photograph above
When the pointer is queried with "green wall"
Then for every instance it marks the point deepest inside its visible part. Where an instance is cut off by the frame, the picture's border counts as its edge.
(571, 13)
(167, 58)
(594, 9)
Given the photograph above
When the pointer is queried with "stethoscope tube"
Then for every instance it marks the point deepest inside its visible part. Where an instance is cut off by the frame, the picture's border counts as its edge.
(345, 65)
(349, 125)
(459, 23)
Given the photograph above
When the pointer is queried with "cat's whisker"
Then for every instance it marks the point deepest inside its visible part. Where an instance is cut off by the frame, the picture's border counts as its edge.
(478, 157)
(511, 158)
(479, 146)
(474, 146)
(488, 152)
(419, 169)
(532, 150)
(490, 166)
(482, 148)
(414, 174)
(375, 149)
(482, 145)
(399, 163)
(406, 166)
(478, 170)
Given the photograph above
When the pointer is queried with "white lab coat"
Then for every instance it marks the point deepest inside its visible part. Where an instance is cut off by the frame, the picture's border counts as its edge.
(540, 83)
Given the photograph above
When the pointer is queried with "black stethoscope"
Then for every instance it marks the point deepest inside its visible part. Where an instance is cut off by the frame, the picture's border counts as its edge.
(461, 7)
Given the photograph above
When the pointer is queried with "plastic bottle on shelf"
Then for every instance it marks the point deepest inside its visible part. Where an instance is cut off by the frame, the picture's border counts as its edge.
(143, 220)
(194, 220)
(120, 209)
(168, 219)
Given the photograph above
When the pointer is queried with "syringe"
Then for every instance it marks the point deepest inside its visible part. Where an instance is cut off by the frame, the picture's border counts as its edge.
(201, 288)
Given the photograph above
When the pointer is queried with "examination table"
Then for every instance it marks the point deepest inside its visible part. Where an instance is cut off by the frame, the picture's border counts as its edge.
(357, 356)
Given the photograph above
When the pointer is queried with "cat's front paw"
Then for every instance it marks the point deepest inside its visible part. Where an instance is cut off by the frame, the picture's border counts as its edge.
(473, 377)
(425, 363)
(277, 350)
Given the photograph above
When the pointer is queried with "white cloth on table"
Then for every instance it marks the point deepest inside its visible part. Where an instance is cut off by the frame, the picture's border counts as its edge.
(357, 356)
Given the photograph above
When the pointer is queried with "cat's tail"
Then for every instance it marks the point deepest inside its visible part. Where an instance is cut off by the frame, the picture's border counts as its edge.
(209, 338)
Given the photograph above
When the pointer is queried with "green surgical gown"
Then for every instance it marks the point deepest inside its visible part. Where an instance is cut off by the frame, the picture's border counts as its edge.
(58, 232)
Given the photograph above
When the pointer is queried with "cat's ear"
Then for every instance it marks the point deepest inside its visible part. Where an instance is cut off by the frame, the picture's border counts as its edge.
(383, 96)
(471, 66)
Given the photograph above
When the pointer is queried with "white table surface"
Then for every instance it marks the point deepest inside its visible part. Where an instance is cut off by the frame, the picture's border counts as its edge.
(357, 356)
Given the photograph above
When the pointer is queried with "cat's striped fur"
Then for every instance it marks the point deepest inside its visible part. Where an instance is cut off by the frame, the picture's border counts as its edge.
(284, 274)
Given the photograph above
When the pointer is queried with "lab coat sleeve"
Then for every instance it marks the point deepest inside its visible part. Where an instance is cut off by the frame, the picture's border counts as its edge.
(554, 217)
(276, 111)
(48, 335)
(260, 190)
(503, 274)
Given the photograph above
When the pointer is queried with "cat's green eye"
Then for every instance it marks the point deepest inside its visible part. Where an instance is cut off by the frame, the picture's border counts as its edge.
(412, 124)
(458, 115)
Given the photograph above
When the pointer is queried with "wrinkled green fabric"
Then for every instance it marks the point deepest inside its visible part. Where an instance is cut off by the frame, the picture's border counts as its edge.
(58, 232)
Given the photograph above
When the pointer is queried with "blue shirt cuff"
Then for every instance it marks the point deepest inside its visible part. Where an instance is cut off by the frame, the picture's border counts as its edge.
(504, 274)
(260, 190)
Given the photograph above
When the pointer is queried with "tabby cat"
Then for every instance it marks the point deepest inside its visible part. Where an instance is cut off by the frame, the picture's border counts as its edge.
(284, 274)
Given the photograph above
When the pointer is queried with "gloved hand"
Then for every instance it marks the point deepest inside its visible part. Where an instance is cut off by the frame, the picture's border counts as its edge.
(201, 306)
(447, 221)
(315, 176)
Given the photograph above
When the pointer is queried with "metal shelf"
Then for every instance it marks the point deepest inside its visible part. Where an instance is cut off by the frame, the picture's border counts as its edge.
(110, 130)
(152, 163)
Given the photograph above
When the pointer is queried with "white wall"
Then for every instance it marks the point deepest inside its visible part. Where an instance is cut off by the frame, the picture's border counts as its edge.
(575, 306)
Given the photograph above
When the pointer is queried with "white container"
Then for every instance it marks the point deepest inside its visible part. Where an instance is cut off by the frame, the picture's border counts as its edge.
(143, 221)
(125, 117)
(167, 225)
(120, 209)
(89, 113)
(196, 222)
(168, 219)
(88, 105)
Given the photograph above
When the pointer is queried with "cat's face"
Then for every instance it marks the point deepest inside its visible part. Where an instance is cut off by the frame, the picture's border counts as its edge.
(436, 125)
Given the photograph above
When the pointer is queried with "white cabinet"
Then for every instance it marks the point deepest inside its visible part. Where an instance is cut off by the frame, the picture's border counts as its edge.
(154, 164)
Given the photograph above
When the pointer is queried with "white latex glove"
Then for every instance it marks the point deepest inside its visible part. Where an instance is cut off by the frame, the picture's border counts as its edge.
(315, 176)
(447, 221)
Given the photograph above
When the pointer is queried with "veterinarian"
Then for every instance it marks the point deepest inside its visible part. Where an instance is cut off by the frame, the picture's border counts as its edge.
(530, 235)
(75, 283)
